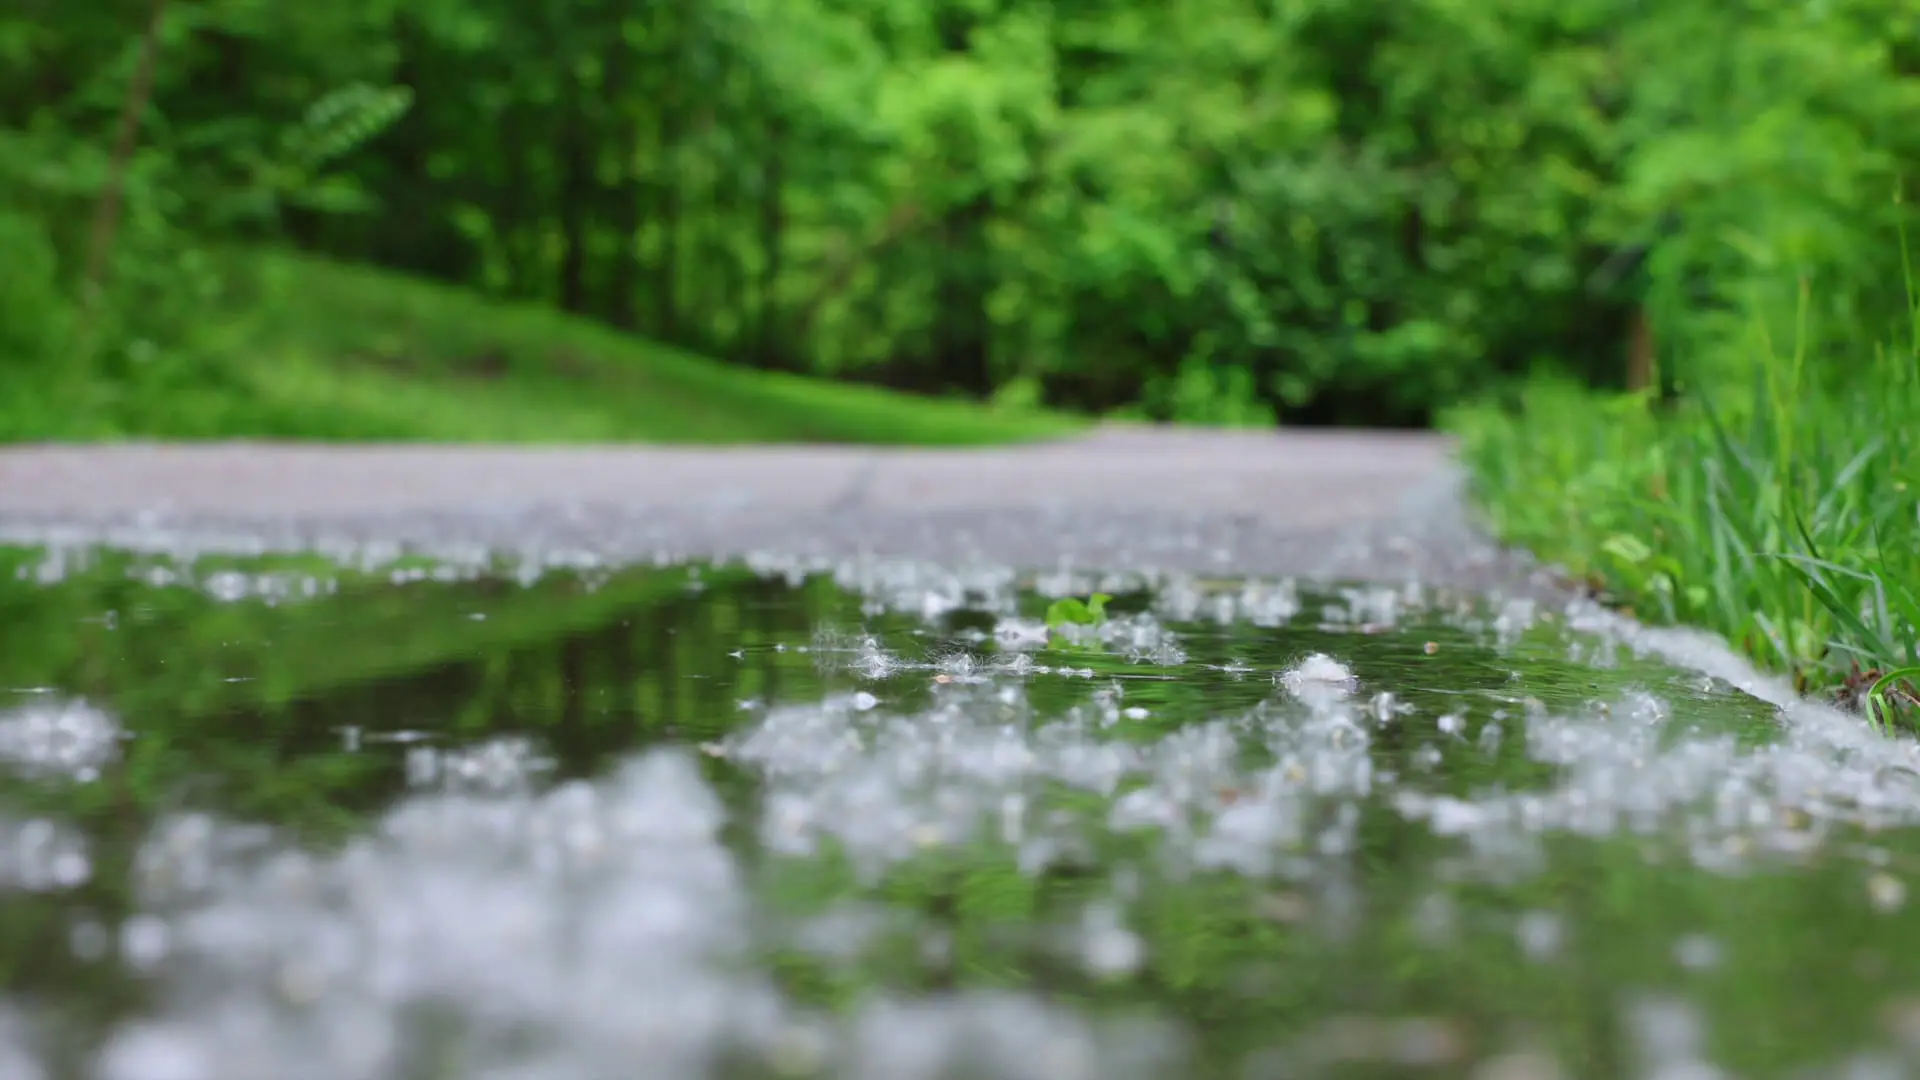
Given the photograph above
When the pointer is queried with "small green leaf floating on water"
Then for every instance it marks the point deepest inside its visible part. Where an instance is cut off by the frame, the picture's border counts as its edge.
(1071, 610)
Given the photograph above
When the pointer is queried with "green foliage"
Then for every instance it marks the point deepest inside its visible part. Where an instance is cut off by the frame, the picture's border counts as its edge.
(305, 348)
(1777, 507)
(1076, 613)
(35, 316)
(1070, 609)
(88, 351)
(1888, 694)
(1223, 211)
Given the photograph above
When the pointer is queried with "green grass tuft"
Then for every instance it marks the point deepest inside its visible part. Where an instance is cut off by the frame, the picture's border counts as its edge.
(1782, 513)
(303, 348)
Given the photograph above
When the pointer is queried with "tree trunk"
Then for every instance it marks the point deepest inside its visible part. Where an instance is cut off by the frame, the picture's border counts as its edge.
(668, 179)
(961, 355)
(106, 216)
(577, 184)
(576, 189)
(1640, 351)
(773, 228)
(623, 215)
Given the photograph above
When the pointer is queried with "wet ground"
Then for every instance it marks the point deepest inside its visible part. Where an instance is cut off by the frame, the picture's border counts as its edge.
(547, 818)
(1380, 506)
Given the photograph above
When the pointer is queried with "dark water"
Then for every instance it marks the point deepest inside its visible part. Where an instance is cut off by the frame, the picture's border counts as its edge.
(272, 820)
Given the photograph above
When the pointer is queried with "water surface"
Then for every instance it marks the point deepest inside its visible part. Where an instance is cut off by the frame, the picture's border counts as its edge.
(275, 819)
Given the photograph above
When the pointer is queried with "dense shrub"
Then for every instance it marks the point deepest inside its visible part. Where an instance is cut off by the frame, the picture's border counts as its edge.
(1219, 209)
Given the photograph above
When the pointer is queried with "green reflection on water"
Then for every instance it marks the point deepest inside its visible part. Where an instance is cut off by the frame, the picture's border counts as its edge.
(285, 713)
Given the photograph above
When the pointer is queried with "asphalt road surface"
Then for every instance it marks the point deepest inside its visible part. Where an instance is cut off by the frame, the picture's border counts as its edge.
(1325, 504)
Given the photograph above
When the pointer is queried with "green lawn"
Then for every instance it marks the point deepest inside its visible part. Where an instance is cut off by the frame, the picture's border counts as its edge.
(1780, 507)
(310, 349)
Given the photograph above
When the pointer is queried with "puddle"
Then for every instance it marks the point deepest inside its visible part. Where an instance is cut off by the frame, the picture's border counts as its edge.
(269, 819)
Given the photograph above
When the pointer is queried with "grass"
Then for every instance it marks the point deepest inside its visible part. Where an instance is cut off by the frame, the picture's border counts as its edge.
(304, 348)
(1781, 509)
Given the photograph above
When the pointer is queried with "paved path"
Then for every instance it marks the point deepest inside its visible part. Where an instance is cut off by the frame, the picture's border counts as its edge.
(1296, 479)
(1334, 503)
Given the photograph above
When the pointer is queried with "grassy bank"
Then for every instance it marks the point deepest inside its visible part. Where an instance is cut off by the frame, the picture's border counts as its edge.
(1777, 508)
(308, 349)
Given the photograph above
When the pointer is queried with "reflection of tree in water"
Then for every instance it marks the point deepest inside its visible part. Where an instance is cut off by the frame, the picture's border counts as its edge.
(244, 706)
(592, 673)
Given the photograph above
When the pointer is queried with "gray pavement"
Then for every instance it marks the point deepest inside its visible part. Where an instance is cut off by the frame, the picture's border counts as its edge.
(1328, 504)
